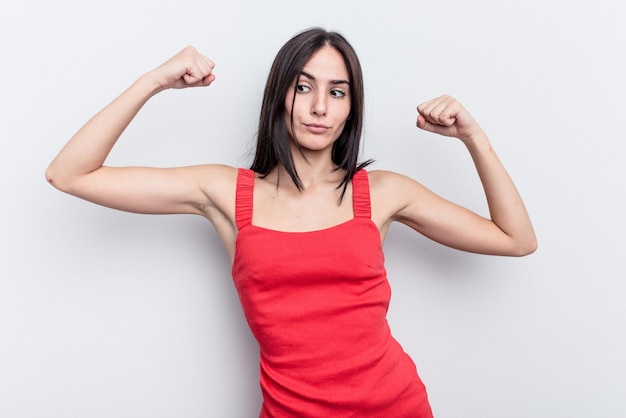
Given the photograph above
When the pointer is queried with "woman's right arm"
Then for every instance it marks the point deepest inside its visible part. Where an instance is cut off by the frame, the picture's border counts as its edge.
(79, 168)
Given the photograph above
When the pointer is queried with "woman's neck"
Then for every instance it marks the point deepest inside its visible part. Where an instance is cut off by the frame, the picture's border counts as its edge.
(312, 168)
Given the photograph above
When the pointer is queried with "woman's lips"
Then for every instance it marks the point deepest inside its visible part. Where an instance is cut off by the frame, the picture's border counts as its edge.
(317, 128)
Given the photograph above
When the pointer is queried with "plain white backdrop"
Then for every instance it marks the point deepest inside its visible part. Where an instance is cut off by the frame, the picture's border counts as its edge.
(110, 314)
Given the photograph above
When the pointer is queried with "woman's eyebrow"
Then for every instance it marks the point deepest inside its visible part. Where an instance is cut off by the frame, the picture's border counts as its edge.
(312, 78)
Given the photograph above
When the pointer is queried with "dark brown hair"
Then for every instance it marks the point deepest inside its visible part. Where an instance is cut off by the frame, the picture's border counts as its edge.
(273, 136)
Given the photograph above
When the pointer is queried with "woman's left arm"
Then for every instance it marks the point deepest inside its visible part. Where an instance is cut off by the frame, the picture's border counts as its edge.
(508, 232)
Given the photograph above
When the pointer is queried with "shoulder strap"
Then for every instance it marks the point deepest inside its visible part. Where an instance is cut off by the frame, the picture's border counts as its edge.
(244, 197)
(361, 195)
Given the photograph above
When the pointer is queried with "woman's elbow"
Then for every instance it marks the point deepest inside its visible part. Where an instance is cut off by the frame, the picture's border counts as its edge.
(50, 176)
(56, 179)
(526, 247)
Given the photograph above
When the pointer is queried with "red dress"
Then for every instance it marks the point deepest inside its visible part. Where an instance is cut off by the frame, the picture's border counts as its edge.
(317, 303)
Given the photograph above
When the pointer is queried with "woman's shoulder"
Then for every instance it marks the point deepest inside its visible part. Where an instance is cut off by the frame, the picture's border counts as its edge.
(385, 179)
(393, 190)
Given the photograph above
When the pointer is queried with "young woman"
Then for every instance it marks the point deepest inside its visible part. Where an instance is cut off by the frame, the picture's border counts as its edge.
(304, 226)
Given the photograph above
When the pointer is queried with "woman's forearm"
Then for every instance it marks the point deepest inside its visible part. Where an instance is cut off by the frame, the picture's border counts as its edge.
(446, 116)
(506, 206)
(89, 147)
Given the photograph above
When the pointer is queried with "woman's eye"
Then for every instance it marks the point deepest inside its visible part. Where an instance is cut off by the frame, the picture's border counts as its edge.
(301, 88)
(337, 93)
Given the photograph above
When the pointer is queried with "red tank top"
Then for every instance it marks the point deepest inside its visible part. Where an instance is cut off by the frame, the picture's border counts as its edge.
(317, 303)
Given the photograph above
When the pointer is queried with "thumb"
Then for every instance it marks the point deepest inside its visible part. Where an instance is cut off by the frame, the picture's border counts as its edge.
(425, 125)
(196, 80)
(208, 79)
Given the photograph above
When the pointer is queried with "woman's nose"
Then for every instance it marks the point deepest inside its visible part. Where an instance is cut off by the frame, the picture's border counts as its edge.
(319, 105)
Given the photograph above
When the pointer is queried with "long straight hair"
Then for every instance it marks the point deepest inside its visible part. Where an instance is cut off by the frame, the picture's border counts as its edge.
(273, 136)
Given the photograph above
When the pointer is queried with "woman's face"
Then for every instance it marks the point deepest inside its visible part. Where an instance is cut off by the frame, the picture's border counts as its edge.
(322, 101)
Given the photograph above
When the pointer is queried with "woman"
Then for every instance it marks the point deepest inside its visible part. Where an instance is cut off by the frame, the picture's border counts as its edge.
(304, 226)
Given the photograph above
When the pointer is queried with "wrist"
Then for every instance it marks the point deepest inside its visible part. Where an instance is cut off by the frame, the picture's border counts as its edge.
(475, 138)
(150, 83)
(477, 142)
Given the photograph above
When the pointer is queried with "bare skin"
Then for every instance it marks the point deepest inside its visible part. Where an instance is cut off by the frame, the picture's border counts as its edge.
(321, 107)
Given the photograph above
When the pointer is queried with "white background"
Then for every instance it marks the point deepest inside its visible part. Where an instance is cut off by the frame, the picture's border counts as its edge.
(104, 313)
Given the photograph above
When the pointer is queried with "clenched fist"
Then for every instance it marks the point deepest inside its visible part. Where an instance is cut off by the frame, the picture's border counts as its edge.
(188, 68)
